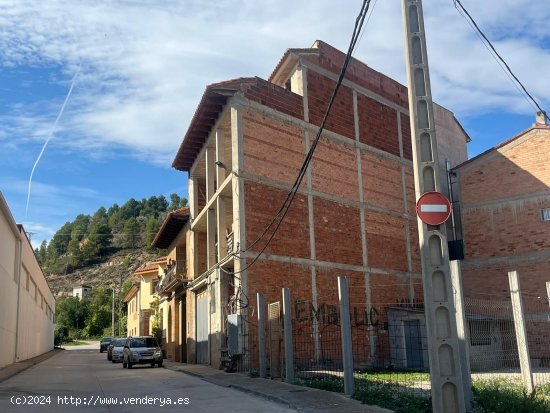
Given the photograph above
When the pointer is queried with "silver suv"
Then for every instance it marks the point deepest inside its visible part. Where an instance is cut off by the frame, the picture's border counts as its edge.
(141, 350)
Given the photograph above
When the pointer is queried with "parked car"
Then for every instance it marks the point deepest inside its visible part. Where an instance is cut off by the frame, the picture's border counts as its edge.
(141, 350)
(117, 350)
(104, 343)
(110, 346)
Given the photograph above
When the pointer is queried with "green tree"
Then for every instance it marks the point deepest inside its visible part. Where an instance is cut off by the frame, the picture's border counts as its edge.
(131, 233)
(176, 202)
(151, 231)
(41, 252)
(72, 313)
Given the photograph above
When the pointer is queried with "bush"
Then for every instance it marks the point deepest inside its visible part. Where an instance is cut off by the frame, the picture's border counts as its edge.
(60, 336)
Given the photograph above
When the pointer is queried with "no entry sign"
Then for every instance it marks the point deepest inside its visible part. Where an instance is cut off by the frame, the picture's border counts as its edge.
(433, 208)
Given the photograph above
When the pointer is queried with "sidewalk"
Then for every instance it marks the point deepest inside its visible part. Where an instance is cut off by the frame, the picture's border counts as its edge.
(302, 399)
(15, 368)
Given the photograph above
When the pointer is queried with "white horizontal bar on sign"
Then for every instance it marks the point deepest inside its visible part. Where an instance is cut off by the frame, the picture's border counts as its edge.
(434, 208)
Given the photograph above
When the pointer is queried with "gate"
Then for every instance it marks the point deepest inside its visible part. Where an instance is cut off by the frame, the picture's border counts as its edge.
(202, 327)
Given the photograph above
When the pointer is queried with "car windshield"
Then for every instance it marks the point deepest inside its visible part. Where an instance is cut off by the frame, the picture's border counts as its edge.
(143, 342)
(106, 339)
(119, 342)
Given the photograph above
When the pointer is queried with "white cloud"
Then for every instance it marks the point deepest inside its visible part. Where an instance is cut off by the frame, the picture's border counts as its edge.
(144, 65)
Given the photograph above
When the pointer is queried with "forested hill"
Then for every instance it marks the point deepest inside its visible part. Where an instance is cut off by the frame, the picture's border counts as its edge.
(94, 239)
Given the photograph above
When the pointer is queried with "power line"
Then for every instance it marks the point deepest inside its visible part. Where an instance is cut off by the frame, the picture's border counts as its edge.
(464, 13)
(283, 210)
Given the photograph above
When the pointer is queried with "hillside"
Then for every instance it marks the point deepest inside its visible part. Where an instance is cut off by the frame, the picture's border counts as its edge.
(104, 248)
(116, 267)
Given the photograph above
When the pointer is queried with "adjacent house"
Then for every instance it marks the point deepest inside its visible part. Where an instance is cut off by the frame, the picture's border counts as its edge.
(82, 291)
(141, 297)
(27, 305)
(353, 215)
(171, 288)
(504, 198)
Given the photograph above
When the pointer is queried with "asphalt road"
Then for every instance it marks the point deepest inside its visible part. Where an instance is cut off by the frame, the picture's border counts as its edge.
(98, 385)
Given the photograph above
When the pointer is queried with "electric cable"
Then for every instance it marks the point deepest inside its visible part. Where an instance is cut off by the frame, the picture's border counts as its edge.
(359, 21)
(487, 42)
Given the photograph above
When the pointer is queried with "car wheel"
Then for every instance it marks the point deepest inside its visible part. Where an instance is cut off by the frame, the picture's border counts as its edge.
(159, 363)
(101, 351)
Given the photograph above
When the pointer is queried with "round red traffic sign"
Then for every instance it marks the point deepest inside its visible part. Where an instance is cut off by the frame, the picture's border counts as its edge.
(433, 208)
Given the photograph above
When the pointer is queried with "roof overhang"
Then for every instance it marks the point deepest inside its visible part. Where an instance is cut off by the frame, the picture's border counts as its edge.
(131, 292)
(171, 227)
(211, 105)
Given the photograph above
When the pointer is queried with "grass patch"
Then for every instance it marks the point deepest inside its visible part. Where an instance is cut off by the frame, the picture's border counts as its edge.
(505, 396)
(384, 389)
(397, 391)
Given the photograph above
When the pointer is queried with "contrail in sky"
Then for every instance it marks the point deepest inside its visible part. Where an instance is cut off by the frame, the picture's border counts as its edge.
(50, 135)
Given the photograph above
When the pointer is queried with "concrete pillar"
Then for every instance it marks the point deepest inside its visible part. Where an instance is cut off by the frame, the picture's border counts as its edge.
(211, 237)
(345, 330)
(220, 158)
(289, 346)
(221, 227)
(210, 173)
(521, 333)
(461, 325)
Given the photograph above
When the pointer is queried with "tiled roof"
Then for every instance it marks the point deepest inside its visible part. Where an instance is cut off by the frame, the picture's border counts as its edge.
(171, 227)
(211, 105)
(151, 265)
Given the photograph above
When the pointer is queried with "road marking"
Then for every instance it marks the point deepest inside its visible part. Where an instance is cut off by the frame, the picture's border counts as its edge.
(434, 208)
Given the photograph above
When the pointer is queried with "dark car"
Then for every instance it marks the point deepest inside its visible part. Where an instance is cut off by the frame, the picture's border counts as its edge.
(110, 347)
(104, 343)
(141, 350)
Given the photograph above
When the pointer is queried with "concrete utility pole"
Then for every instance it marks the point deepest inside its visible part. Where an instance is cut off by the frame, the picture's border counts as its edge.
(443, 343)
(113, 313)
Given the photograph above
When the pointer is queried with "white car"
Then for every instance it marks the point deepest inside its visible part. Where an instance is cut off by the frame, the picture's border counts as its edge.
(117, 354)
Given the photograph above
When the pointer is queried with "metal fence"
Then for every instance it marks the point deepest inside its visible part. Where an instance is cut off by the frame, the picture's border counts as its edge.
(389, 343)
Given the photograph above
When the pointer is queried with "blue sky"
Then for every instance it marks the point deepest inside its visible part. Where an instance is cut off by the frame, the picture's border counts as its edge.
(143, 66)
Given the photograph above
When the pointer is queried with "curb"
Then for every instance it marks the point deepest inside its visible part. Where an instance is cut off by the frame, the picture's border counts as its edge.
(13, 369)
(242, 389)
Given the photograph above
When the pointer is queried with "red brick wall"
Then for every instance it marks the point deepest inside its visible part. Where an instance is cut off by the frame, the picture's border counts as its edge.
(272, 149)
(334, 170)
(261, 204)
(361, 74)
(382, 182)
(275, 97)
(377, 125)
(522, 169)
(386, 245)
(319, 91)
(337, 232)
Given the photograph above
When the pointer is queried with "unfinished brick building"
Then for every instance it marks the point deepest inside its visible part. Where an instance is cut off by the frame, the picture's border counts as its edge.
(505, 213)
(353, 214)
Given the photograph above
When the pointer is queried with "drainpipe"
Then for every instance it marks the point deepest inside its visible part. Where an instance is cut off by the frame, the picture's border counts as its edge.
(18, 264)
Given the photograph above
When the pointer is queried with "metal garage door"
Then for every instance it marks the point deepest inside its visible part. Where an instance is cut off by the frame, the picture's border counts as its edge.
(202, 327)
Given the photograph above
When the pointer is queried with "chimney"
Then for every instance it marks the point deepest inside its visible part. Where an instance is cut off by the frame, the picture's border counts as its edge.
(541, 119)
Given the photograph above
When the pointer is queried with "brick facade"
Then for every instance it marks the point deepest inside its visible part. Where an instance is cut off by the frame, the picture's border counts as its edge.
(502, 194)
(353, 215)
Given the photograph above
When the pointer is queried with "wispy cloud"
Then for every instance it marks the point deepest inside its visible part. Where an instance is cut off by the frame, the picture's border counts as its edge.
(145, 64)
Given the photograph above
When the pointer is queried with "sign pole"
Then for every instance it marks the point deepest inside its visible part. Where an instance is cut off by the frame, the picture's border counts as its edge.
(443, 343)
